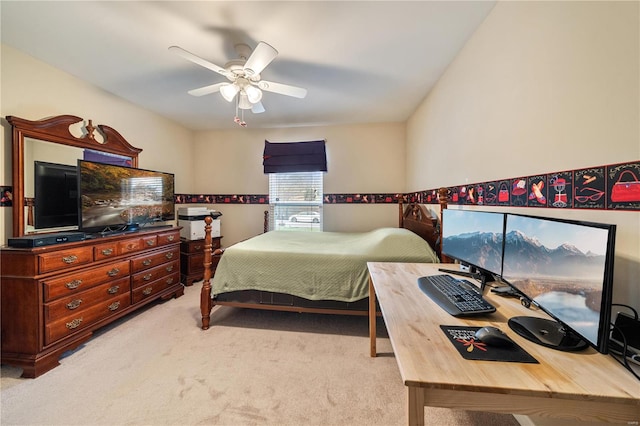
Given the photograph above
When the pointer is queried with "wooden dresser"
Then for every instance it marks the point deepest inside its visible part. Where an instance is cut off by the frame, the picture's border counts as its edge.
(53, 298)
(192, 259)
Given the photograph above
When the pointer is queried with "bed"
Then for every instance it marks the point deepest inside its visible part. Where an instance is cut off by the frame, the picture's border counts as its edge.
(319, 272)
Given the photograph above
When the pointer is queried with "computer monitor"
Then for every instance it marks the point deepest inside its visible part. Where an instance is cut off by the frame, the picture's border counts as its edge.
(474, 238)
(566, 269)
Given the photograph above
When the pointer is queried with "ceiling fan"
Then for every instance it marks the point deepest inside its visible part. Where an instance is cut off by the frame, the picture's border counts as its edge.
(245, 84)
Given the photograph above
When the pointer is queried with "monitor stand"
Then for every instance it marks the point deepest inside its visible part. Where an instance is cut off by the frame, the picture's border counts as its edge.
(547, 333)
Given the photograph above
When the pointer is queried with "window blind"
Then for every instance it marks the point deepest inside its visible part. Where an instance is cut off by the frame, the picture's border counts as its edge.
(295, 201)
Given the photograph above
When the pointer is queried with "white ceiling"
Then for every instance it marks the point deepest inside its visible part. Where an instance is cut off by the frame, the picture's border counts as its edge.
(361, 62)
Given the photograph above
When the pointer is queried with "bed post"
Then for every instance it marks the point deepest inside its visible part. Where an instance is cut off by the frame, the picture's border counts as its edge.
(266, 221)
(443, 199)
(400, 211)
(205, 292)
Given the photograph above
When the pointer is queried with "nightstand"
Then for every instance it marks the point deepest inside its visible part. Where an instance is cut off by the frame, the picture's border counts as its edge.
(192, 258)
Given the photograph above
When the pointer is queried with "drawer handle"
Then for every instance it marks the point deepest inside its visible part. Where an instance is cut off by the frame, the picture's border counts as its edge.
(70, 259)
(131, 246)
(169, 280)
(169, 255)
(114, 306)
(147, 291)
(198, 247)
(146, 262)
(107, 252)
(147, 277)
(74, 304)
(113, 272)
(74, 324)
(169, 268)
(171, 238)
(72, 285)
(113, 290)
(151, 243)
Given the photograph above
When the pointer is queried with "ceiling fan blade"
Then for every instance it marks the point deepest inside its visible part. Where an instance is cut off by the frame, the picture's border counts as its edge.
(198, 60)
(257, 108)
(206, 90)
(262, 56)
(283, 89)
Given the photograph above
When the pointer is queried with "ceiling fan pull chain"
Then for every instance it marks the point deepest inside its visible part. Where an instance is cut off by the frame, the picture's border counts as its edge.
(243, 123)
(236, 119)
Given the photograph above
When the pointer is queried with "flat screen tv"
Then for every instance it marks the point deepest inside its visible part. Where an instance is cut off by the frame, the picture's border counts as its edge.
(474, 238)
(116, 198)
(566, 269)
(55, 196)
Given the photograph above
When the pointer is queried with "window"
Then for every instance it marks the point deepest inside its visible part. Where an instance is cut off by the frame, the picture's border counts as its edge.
(295, 201)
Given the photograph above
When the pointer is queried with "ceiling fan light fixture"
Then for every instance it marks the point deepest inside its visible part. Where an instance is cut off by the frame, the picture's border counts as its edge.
(254, 95)
(229, 91)
(243, 101)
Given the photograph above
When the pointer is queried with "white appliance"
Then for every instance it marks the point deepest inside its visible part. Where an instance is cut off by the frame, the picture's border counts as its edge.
(192, 221)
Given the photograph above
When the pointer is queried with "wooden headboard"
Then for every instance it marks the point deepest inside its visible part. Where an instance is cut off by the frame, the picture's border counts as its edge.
(417, 219)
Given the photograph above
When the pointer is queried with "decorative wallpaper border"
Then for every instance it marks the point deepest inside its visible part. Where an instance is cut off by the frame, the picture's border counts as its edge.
(612, 187)
(371, 198)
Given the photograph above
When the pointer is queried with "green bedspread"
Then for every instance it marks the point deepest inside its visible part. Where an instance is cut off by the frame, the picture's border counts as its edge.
(315, 265)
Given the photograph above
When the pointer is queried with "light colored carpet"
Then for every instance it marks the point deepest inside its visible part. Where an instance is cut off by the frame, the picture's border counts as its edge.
(251, 368)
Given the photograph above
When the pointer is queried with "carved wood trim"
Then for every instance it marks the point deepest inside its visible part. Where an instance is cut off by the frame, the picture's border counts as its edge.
(56, 129)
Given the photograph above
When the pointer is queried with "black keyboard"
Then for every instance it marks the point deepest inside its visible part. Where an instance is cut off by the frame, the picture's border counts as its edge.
(457, 297)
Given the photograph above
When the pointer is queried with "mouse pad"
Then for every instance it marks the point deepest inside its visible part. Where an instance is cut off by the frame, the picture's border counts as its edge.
(463, 340)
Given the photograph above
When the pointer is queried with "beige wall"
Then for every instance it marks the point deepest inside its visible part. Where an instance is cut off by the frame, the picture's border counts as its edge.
(361, 158)
(540, 87)
(34, 90)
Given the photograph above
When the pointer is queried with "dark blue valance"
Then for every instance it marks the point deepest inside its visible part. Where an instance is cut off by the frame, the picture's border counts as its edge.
(289, 157)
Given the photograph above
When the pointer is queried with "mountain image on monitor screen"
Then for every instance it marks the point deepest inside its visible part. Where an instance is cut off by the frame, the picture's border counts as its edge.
(529, 257)
(484, 249)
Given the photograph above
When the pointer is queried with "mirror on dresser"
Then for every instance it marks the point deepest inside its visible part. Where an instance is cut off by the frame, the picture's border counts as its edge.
(60, 140)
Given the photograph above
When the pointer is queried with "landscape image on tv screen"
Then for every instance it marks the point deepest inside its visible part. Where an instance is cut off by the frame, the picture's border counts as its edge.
(559, 265)
(115, 195)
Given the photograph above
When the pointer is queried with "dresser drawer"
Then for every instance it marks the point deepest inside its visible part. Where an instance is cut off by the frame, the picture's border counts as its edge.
(137, 244)
(196, 262)
(191, 264)
(152, 274)
(150, 289)
(68, 325)
(167, 238)
(105, 251)
(73, 304)
(63, 259)
(150, 260)
(82, 280)
(195, 246)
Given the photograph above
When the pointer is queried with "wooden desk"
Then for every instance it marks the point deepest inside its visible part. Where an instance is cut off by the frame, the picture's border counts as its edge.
(584, 386)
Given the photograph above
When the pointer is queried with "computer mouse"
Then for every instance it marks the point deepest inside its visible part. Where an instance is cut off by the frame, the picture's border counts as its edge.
(493, 336)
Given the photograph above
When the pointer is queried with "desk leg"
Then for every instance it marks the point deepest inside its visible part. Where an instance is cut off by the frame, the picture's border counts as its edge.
(415, 409)
(372, 319)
